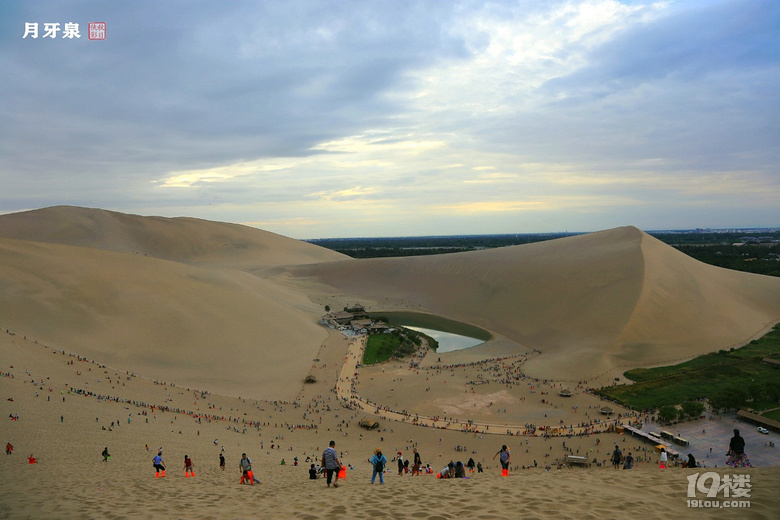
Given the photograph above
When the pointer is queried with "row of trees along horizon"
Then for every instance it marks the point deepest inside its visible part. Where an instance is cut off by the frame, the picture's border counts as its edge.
(758, 252)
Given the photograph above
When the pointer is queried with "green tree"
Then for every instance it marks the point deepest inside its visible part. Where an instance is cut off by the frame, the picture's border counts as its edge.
(667, 414)
(692, 408)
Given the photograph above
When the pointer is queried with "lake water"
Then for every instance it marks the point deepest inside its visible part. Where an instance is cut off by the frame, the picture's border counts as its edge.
(448, 342)
(451, 335)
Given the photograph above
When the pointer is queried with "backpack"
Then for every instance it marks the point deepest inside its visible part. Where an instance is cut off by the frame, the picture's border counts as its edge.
(380, 466)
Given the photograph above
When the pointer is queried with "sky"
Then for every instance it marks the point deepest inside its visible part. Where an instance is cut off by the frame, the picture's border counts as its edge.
(317, 119)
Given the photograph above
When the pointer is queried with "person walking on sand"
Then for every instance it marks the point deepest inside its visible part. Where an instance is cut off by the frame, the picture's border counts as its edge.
(221, 462)
(616, 456)
(245, 464)
(159, 465)
(506, 456)
(105, 454)
(9, 448)
(400, 464)
(417, 463)
(378, 461)
(189, 467)
(331, 463)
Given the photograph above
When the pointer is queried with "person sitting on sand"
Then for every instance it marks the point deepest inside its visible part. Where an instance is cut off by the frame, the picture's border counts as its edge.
(378, 461)
(691, 461)
(460, 470)
(31, 459)
(737, 456)
(737, 444)
(312, 473)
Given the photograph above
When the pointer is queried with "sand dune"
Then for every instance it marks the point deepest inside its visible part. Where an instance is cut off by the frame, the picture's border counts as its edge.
(590, 303)
(221, 330)
(180, 239)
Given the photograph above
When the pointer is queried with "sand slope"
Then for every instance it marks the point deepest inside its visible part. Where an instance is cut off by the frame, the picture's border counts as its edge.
(221, 330)
(67, 433)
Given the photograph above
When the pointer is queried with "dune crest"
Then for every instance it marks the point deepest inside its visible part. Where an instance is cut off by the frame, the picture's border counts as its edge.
(180, 239)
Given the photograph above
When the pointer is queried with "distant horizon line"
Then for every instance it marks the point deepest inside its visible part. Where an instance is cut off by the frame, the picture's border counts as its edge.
(735, 230)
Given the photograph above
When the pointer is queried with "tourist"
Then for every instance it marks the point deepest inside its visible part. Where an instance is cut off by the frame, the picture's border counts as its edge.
(159, 465)
(378, 461)
(245, 465)
(617, 455)
(691, 461)
(629, 462)
(417, 465)
(664, 458)
(506, 456)
(189, 467)
(737, 456)
(331, 463)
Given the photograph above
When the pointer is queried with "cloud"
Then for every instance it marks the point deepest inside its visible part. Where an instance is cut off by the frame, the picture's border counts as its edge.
(410, 115)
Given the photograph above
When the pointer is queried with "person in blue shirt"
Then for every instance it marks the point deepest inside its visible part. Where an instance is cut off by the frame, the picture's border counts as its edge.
(159, 465)
(378, 461)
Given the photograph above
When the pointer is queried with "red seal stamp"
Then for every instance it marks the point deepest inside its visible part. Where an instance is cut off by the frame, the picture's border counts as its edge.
(97, 30)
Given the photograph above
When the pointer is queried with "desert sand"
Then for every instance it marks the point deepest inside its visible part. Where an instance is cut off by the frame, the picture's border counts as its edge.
(195, 345)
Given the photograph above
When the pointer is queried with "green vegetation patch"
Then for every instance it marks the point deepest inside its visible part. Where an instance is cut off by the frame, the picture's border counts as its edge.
(380, 348)
(774, 415)
(399, 344)
(728, 379)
